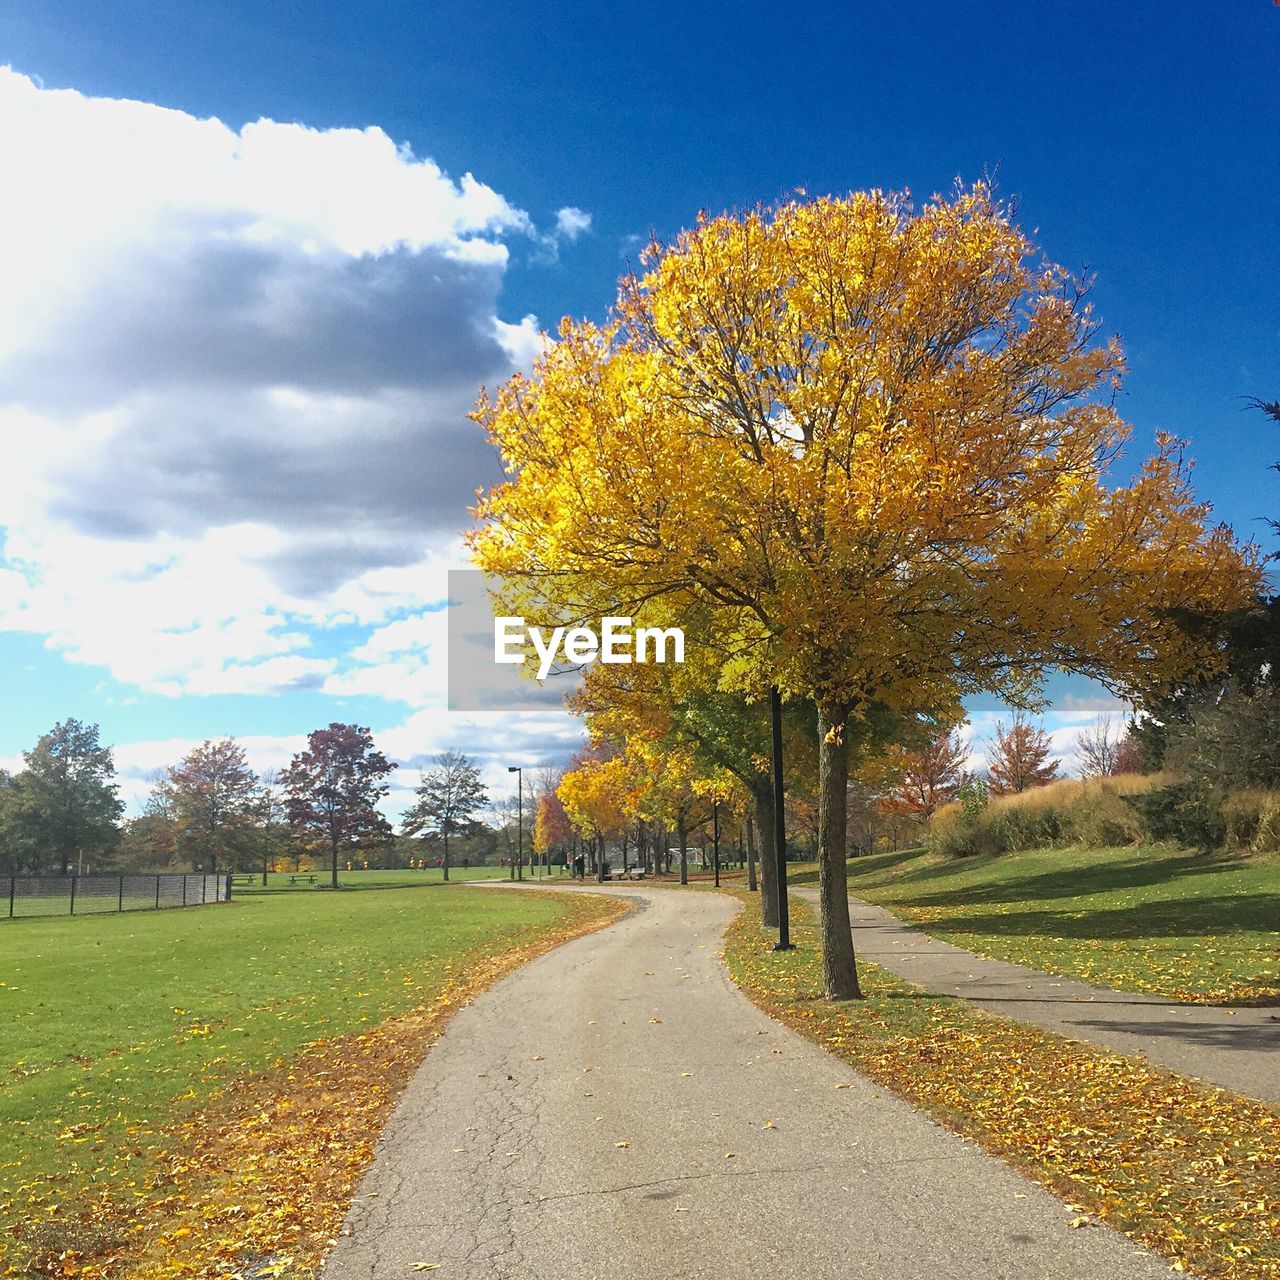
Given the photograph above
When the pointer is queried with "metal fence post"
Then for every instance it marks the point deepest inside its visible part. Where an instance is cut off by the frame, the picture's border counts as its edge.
(120, 901)
(157, 893)
(13, 889)
(73, 895)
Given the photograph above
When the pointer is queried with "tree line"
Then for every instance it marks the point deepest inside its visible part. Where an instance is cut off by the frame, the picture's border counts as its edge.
(210, 811)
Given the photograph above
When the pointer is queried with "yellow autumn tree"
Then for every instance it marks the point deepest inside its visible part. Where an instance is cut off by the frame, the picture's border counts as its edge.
(877, 435)
(599, 797)
(654, 709)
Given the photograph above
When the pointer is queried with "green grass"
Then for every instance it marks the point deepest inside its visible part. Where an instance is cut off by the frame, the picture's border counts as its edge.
(111, 1025)
(279, 881)
(1184, 925)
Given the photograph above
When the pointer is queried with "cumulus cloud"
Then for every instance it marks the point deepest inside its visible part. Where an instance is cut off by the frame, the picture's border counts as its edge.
(572, 222)
(235, 367)
(1071, 714)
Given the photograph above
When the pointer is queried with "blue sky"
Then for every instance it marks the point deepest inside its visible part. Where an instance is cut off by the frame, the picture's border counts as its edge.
(184, 560)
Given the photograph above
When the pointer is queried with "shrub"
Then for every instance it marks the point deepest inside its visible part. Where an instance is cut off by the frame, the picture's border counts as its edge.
(1252, 820)
(1068, 811)
(1187, 813)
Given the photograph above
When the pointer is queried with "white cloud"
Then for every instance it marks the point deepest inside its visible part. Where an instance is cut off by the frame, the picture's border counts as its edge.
(234, 372)
(493, 741)
(572, 222)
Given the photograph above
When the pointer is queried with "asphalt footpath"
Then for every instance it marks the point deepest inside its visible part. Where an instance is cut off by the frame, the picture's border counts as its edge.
(1237, 1048)
(618, 1110)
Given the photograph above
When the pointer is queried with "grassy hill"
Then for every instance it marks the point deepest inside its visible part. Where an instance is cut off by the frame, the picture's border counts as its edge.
(1189, 926)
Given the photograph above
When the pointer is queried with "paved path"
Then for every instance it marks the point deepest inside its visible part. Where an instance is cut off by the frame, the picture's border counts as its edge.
(1237, 1048)
(576, 1121)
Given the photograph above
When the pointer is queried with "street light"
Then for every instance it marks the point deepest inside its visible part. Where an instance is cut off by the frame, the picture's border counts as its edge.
(518, 869)
(779, 822)
(715, 837)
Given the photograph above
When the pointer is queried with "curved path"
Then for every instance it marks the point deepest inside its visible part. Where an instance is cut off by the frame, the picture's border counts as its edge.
(617, 1110)
(1237, 1048)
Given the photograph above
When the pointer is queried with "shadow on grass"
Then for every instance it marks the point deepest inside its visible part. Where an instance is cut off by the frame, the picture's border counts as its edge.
(1079, 879)
(1179, 918)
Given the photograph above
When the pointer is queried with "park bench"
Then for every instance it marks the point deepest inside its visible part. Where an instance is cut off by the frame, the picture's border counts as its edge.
(635, 873)
(308, 879)
(243, 879)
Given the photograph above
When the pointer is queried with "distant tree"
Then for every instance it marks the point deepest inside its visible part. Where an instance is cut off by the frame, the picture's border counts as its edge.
(1129, 751)
(1019, 758)
(64, 805)
(275, 841)
(1098, 749)
(551, 826)
(8, 856)
(450, 794)
(332, 790)
(929, 778)
(214, 797)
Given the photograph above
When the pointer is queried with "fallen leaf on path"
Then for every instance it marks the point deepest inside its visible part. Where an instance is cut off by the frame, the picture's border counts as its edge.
(426, 1266)
(622, 1144)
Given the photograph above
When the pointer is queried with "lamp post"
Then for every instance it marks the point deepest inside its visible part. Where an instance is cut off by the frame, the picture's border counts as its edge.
(779, 822)
(715, 837)
(518, 770)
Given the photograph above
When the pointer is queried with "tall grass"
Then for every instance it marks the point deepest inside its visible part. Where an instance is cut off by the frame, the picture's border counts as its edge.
(1128, 809)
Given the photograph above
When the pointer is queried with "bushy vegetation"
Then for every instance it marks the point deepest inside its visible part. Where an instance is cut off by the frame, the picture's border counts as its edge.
(1129, 809)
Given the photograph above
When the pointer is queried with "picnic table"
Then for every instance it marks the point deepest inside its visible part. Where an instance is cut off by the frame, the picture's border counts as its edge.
(310, 879)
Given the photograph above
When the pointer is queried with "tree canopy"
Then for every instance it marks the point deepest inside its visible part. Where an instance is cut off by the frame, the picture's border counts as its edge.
(332, 790)
(878, 436)
(64, 806)
(214, 802)
(449, 795)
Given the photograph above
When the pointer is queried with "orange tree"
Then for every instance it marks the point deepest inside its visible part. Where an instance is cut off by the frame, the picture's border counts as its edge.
(877, 435)
(1020, 758)
(923, 780)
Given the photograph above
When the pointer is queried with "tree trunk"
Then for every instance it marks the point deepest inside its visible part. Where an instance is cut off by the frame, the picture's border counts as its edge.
(839, 967)
(762, 794)
(333, 841)
(683, 832)
(446, 853)
(752, 886)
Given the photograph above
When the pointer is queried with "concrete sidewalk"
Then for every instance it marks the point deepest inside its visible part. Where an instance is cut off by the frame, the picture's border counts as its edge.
(1237, 1048)
(617, 1110)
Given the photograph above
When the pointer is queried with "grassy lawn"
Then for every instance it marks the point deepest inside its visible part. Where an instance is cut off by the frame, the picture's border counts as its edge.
(289, 882)
(1188, 926)
(1187, 1170)
(116, 1030)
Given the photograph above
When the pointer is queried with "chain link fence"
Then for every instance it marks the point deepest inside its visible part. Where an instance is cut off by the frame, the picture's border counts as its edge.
(99, 895)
